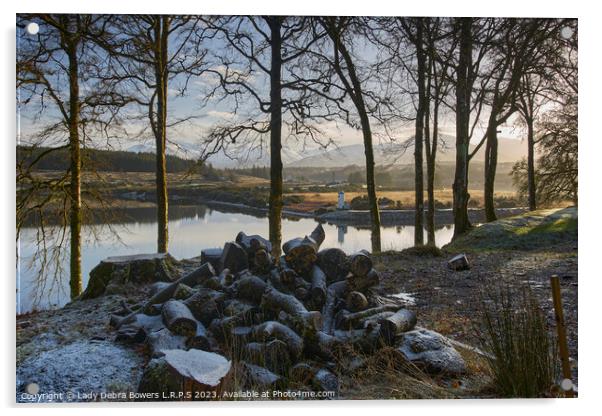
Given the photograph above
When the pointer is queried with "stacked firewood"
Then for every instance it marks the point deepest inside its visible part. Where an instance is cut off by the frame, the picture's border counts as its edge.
(281, 320)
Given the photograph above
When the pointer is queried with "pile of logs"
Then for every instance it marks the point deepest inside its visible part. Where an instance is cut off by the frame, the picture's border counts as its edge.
(280, 320)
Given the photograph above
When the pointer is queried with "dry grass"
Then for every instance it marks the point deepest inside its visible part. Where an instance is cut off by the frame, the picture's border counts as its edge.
(386, 375)
(406, 197)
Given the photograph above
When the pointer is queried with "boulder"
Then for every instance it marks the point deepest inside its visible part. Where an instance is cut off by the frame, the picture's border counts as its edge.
(431, 352)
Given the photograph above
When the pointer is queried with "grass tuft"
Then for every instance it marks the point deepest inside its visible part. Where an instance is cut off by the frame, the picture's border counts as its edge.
(523, 359)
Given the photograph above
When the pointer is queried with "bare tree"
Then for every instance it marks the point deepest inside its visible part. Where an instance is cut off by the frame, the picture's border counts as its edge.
(437, 89)
(51, 68)
(261, 54)
(151, 52)
(339, 30)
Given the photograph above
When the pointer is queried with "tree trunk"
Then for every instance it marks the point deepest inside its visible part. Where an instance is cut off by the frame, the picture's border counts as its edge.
(161, 48)
(463, 94)
(372, 198)
(531, 164)
(490, 169)
(275, 214)
(418, 145)
(75, 272)
(430, 178)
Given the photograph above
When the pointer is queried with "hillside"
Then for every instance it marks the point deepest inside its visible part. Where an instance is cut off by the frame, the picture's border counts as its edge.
(510, 150)
(102, 160)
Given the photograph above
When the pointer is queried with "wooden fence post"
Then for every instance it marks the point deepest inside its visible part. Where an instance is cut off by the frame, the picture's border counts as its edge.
(562, 343)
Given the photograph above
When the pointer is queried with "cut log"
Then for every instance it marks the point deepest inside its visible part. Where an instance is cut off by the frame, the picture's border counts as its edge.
(237, 307)
(402, 321)
(275, 301)
(301, 293)
(154, 310)
(370, 321)
(253, 243)
(323, 346)
(275, 330)
(183, 292)
(287, 274)
(459, 262)
(149, 323)
(302, 373)
(366, 340)
(193, 278)
(262, 260)
(351, 320)
(226, 278)
(180, 373)
(206, 304)
(301, 253)
(334, 263)
(356, 301)
(318, 235)
(324, 380)
(130, 334)
(318, 287)
(200, 340)
(362, 283)
(157, 287)
(273, 355)
(214, 282)
(164, 339)
(360, 263)
(335, 292)
(221, 328)
(234, 258)
(257, 376)
(251, 288)
(238, 338)
(178, 318)
(212, 256)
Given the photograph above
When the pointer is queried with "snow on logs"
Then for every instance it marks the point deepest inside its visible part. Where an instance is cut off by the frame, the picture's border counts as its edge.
(278, 320)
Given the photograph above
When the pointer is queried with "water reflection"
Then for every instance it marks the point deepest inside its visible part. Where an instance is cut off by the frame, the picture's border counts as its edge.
(191, 230)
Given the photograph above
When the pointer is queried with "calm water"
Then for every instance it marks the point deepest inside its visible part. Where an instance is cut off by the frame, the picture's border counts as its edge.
(191, 230)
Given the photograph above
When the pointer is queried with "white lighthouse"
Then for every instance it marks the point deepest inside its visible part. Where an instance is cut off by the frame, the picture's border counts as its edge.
(341, 202)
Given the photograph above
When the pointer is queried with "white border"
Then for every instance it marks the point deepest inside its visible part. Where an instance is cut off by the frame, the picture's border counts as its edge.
(590, 153)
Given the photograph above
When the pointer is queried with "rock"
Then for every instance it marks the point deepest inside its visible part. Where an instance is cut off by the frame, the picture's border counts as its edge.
(115, 272)
(178, 373)
(431, 352)
(459, 262)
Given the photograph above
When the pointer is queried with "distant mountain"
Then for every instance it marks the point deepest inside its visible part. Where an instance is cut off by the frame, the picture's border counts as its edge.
(509, 150)
(258, 157)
